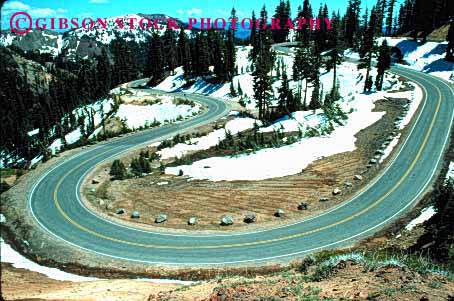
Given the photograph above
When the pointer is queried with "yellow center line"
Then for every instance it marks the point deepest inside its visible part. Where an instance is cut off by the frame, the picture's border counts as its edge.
(374, 204)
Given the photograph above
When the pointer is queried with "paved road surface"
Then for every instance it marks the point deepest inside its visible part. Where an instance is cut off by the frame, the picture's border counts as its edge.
(55, 202)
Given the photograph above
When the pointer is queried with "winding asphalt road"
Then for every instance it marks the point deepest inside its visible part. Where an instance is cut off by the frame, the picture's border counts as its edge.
(55, 204)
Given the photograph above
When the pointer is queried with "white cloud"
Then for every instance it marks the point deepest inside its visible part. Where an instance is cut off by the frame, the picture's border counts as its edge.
(99, 1)
(16, 5)
(36, 12)
(190, 12)
(194, 12)
(42, 12)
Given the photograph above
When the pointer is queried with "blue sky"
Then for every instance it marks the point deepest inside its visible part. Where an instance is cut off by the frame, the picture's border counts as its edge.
(180, 9)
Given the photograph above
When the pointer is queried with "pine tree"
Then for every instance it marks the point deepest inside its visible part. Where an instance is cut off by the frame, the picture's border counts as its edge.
(315, 100)
(367, 48)
(352, 22)
(263, 65)
(321, 35)
(184, 54)
(384, 63)
(304, 35)
(303, 69)
(285, 95)
(156, 59)
(336, 49)
(230, 58)
(282, 14)
(118, 170)
(170, 50)
(390, 17)
(219, 59)
(253, 38)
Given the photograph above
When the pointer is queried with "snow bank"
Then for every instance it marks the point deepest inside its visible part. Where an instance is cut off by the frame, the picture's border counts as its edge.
(212, 139)
(425, 215)
(428, 57)
(137, 116)
(416, 97)
(18, 261)
(299, 120)
(387, 151)
(286, 160)
(9, 255)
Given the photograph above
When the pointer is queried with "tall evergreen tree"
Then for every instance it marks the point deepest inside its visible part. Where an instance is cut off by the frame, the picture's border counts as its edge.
(170, 50)
(304, 35)
(390, 17)
(184, 53)
(282, 14)
(230, 58)
(254, 38)
(156, 59)
(336, 49)
(368, 47)
(383, 64)
(263, 65)
(285, 99)
(352, 22)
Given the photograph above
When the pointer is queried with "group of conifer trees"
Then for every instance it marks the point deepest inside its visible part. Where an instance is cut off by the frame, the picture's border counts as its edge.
(43, 98)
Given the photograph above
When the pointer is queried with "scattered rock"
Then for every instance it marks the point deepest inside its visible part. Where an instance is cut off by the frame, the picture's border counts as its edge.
(358, 178)
(93, 190)
(336, 191)
(94, 181)
(279, 213)
(373, 161)
(390, 138)
(226, 221)
(109, 206)
(250, 218)
(180, 173)
(324, 199)
(348, 184)
(302, 206)
(135, 214)
(380, 152)
(101, 203)
(192, 221)
(120, 211)
(160, 218)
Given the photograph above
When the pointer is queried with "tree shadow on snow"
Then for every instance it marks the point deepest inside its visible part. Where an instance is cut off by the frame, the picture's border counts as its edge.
(439, 65)
(439, 49)
(407, 46)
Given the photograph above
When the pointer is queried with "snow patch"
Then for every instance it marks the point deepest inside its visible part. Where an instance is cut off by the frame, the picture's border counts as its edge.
(425, 215)
(450, 174)
(9, 255)
(212, 139)
(387, 151)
